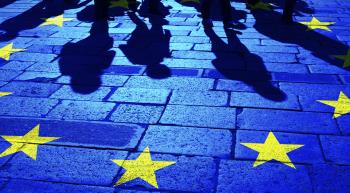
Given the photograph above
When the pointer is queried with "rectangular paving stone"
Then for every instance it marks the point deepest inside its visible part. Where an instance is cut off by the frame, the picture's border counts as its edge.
(330, 178)
(46, 77)
(63, 164)
(185, 83)
(240, 176)
(33, 57)
(216, 117)
(26, 106)
(276, 57)
(327, 69)
(16, 65)
(236, 85)
(280, 67)
(336, 149)
(188, 174)
(45, 67)
(140, 95)
(205, 98)
(81, 110)
(305, 78)
(106, 80)
(8, 75)
(193, 55)
(137, 114)
(30, 186)
(188, 140)
(30, 89)
(245, 99)
(67, 92)
(77, 133)
(187, 63)
(310, 153)
(275, 120)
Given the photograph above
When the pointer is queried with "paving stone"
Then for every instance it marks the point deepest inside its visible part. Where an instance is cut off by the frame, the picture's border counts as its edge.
(140, 95)
(327, 69)
(81, 110)
(137, 113)
(34, 57)
(306, 78)
(244, 99)
(275, 120)
(236, 85)
(205, 98)
(335, 149)
(25, 106)
(16, 65)
(29, 186)
(63, 164)
(8, 75)
(310, 153)
(38, 76)
(30, 89)
(77, 133)
(330, 178)
(187, 63)
(188, 140)
(280, 67)
(106, 80)
(184, 83)
(216, 117)
(240, 176)
(189, 174)
(67, 92)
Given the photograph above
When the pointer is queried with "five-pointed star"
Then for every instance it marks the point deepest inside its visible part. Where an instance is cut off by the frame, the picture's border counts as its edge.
(120, 3)
(6, 51)
(190, 1)
(341, 106)
(271, 149)
(261, 5)
(143, 167)
(346, 59)
(5, 93)
(27, 144)
(316, 24)
(58, 20)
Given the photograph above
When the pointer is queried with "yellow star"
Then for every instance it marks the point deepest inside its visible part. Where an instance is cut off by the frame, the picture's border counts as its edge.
(316, 24)
(58, 20)
(143, 167)
(341, 106)
(120, 3)
(6, 51)
(28, 143)
(261, 5)
(271, 149)
(346, 59)
(190, 1)
(5, 93)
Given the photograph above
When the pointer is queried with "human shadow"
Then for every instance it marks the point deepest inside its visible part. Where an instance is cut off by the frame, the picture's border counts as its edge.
(149, 46)
(4, 3)
(85, 60)
(33, 17)
(231, 59)
(321, 45)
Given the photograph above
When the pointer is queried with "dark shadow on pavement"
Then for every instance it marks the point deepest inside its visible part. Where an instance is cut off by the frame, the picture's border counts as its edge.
(231, 58)
(85, 60)
(4, 3)
(149, 46)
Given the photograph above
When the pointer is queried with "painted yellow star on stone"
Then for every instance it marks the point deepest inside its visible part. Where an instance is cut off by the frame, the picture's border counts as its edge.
(120, 3)
(341, 106)
(143, 167)
(27, 144)
(6, 51)
(58, 20)
(5, 93)
(190, 1)
(316, 24)
(345, 58)
(271, 149)
(261, 5)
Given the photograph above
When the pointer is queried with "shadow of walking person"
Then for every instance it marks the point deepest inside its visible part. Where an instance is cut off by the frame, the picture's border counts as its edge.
(149, 46)
(321, 45)
(234, 55)
(85, 60)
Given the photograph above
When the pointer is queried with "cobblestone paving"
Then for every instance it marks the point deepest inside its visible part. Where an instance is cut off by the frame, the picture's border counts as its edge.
(191, 95)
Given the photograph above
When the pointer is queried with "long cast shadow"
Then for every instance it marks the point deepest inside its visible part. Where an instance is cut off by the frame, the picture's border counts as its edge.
(4, 3)
(149, 46)
(85, 60)
(234, 55)
(320, 45)
(32, 18)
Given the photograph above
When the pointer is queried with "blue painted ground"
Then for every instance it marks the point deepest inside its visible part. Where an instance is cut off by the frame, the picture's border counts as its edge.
(109, 90)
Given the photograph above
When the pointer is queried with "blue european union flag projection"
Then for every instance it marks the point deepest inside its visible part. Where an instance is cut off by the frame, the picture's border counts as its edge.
(221, 96)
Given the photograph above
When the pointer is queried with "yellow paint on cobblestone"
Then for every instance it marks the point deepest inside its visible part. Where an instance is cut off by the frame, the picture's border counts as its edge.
(316, 24)
(341, 106)
(58, 20)
(6, 51)
(345, 58)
